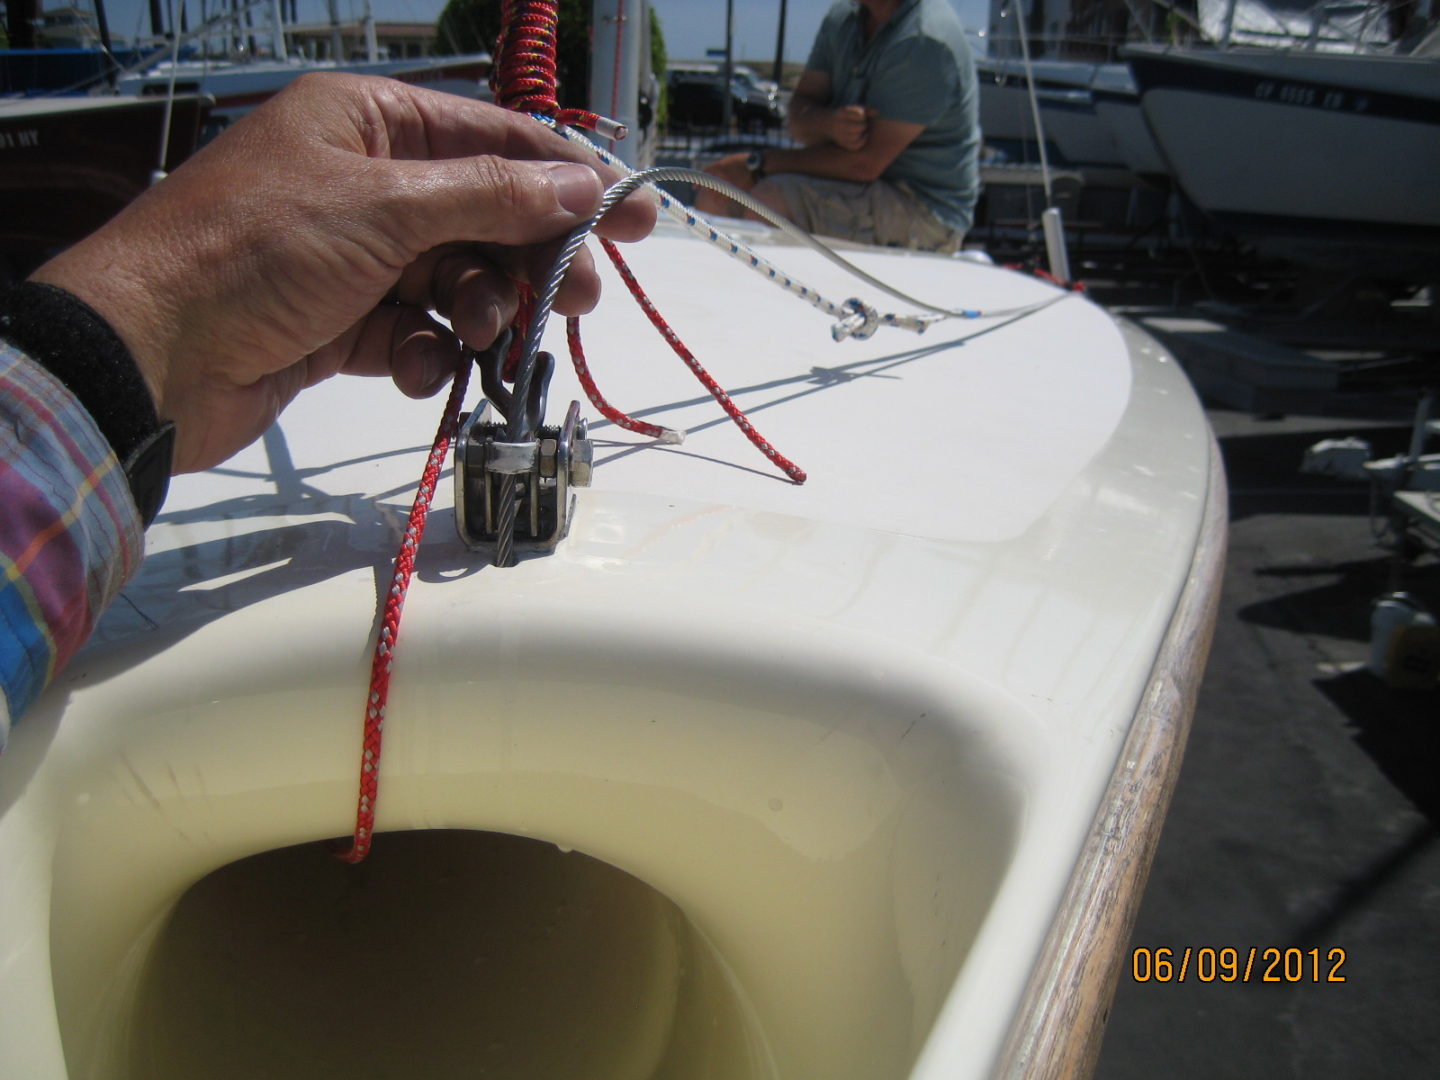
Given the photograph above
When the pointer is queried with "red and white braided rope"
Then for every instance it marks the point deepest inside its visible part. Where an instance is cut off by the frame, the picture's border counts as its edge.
(384, 656)
(779, 460)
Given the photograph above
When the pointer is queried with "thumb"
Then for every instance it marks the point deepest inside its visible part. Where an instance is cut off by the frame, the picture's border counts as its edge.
(487, 200)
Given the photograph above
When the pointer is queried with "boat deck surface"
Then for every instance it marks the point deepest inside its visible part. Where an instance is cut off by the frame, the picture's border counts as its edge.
(1007, 513)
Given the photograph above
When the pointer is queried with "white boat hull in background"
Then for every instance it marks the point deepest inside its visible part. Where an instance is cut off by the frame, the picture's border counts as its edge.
(239, 87)
(1090, 112)
(1332, 151)
(1117, 104)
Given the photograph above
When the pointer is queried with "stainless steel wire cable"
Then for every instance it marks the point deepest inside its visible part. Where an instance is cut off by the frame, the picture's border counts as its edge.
(519, 428)
(858, 318)
(738, 249)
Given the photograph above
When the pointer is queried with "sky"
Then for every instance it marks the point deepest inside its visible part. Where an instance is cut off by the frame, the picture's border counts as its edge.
(691, 26)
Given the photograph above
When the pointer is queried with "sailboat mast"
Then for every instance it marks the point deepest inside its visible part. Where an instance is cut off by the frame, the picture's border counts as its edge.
(779, 73)
(20, 19)
(102, 25)
(1229, 26)
(277, 31)
(372, 46)
(618, 67)
(336, 47)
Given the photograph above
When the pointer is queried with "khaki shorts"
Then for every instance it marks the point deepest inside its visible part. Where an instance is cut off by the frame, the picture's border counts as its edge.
(883, 213)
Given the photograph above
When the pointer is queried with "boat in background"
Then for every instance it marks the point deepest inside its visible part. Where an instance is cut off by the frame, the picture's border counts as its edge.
(69, 163)
(238, 87)
(240, 79)
(1324, 158)
(1117, 104)
(1063, 90)
(34, 72)
(81, 134)
(236, 64)
(1099, 165)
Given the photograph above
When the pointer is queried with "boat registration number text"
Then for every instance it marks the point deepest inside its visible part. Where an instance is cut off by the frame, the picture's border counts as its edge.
(22, 139)
(1315, 97)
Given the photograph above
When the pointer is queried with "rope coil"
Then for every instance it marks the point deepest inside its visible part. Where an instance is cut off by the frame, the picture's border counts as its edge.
(524, 75)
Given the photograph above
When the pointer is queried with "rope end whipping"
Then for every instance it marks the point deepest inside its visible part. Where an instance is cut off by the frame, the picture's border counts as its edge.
(610, 129)
(670, 437)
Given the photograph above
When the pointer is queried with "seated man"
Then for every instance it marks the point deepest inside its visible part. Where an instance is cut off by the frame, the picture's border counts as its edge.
(886, 113)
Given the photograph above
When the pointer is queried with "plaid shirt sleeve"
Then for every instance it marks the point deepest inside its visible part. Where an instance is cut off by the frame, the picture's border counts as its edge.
(69, 534)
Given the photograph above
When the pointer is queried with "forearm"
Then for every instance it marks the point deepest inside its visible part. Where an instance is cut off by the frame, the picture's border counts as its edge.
(827, 160)
(809, 121)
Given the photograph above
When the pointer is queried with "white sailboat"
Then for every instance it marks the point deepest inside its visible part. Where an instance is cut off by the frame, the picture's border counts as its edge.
(744, 779)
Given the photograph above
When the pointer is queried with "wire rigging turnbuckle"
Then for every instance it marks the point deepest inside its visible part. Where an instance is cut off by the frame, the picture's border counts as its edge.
(535, 473)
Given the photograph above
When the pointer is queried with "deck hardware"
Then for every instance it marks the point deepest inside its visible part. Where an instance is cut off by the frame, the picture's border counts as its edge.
(491, 363)
(546, 467)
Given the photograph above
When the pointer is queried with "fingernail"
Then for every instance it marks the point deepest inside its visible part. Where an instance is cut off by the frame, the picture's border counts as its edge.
(577, 187)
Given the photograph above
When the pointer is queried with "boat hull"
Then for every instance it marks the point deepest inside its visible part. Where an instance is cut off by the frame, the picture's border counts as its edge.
(1124, 119)
(1335, 154)
(1090, 112)
(238, 88)
(1075, 133)
(69, 164)
(869, 737)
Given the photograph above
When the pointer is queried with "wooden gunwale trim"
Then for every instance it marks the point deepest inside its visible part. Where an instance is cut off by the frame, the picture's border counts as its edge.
(1061, 1021)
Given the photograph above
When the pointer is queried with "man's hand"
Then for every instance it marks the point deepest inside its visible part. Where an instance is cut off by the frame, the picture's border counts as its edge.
(313, 238)
(813, 121)
(849, 126)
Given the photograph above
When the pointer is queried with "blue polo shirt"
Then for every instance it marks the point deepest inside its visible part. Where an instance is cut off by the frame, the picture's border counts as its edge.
(917, 69)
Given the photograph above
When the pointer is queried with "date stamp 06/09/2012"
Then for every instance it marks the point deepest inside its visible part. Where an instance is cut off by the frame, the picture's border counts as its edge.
(1255, 963)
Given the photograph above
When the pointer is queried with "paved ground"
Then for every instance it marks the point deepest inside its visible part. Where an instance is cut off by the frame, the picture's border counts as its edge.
(1306, 815)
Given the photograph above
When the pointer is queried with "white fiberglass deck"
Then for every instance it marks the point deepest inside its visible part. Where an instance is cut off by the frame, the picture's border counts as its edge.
(853, 734)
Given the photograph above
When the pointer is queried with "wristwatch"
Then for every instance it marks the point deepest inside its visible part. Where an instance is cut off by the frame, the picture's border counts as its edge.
(755, 162)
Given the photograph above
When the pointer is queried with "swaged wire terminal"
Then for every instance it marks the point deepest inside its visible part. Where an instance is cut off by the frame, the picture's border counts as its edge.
(531, 477)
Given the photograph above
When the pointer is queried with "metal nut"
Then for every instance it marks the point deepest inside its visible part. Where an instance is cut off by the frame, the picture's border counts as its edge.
(582, 457)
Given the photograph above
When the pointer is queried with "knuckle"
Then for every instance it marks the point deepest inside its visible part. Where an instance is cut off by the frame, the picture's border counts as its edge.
(502, 183)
